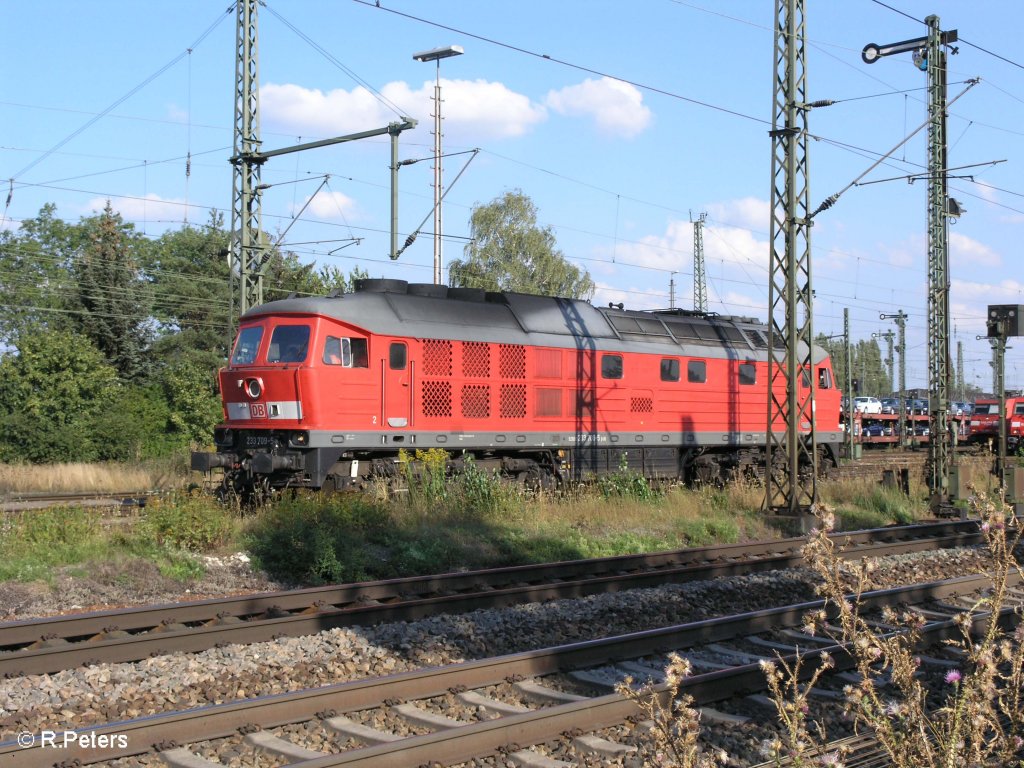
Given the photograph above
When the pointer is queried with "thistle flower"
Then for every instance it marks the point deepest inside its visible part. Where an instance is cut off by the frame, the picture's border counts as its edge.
(953, 676)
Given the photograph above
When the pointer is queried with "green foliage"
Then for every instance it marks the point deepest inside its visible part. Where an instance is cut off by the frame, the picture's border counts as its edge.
(194, 408)
(50, 393)
(133, 426)
(36, 285)
(191, 523)
(626, 483)
(508, 251)
(316, 540)
(33, 542)
(867, 365)
(113, 299)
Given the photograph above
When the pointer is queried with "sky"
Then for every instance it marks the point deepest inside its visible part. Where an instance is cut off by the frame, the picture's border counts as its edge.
(621, 121)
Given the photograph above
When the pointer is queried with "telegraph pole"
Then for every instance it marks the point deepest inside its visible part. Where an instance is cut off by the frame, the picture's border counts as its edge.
(700, 285)
(790, 328)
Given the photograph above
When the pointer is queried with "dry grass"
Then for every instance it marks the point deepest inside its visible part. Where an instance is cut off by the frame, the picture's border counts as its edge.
(78, 477)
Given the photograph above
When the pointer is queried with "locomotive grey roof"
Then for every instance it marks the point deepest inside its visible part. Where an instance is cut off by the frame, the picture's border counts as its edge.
(390, 307)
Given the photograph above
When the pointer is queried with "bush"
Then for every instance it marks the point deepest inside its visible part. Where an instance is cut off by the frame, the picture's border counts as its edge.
(191, 523)
(318, 540)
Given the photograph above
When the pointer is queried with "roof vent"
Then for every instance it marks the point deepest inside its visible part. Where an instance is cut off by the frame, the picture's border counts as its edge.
(381, 285)
(428, 289)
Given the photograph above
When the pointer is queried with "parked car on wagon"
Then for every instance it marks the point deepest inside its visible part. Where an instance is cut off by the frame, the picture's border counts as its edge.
(890, 405)
(867, 405)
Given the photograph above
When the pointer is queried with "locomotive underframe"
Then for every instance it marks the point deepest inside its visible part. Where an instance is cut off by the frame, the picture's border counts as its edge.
(278, 464)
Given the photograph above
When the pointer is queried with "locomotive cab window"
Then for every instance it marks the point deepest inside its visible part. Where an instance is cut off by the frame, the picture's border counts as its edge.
(669, 369)
(747, 374)
(1018, 409)
(611, 366)
(347, 353)
(824, 378)
(396, 356)
(247, 346)
(288, 344)
(696, 371)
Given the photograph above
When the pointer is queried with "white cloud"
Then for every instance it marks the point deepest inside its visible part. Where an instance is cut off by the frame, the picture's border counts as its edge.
(615, 106)
(328, 204)
(473, 110)
(151, 208)
(746, 212)
(966, 251)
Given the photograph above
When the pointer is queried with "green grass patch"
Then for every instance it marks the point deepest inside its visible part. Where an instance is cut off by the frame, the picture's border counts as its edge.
(444, 521)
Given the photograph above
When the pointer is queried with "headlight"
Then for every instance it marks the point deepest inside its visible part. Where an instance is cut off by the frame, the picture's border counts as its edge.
(299, 438)
(253, 388)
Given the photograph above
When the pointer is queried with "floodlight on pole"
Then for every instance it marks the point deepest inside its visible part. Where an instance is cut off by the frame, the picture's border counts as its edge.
(436, 55)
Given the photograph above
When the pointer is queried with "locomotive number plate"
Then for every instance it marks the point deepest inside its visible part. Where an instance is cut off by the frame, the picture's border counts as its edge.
(258, 441)
(258, 411)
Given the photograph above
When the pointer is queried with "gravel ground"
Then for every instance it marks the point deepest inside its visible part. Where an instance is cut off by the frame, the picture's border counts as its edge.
(104, 693)
(133, 582)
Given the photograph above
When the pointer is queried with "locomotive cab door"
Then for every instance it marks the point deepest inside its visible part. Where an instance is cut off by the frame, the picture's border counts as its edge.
(397, 405)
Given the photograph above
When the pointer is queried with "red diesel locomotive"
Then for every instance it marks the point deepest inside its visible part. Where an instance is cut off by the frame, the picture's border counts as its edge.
(324, 392)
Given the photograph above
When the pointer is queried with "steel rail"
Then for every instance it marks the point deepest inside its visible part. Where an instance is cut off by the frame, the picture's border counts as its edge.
(221, 720)
(302, 615)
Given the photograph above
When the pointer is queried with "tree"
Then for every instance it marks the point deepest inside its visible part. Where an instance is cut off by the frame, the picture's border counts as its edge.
(36, 286)
(188, 272)
(112, 295)
(50, 394)
(510, 252)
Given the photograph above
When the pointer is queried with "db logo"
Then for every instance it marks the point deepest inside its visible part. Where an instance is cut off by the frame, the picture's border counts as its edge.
(258, 410)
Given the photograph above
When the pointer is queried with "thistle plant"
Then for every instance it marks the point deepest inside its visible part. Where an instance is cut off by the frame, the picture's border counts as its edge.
(673, 721)
(975, 719)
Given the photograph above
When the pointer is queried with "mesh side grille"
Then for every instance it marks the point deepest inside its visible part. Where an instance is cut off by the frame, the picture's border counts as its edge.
(437, 357)
(476, 359)
(513, 401)
(476, 401)
(512, 361)
(641, 405)
(437, 398)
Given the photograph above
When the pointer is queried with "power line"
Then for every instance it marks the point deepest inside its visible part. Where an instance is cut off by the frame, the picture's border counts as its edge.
(564, 63)
(123, 98)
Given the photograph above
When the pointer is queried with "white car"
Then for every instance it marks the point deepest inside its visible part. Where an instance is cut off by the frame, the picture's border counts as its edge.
(867, 405)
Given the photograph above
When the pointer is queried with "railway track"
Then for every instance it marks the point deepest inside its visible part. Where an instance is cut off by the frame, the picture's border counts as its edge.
(51, 644)
(19, 502)
(533, 708)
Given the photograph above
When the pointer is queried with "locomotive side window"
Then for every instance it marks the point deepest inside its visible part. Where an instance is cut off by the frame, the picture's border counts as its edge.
(669, 369)
(748, 374)
(696, 371)
(396, 356)
(348, 353)
(288, 344)
(611, 366)
(247, 346)
(824, 378)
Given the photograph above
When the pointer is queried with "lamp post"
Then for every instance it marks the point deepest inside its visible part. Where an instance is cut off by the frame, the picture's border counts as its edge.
(436, 55)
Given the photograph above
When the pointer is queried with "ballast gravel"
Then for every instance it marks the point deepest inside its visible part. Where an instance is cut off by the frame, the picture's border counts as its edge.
(109, 692)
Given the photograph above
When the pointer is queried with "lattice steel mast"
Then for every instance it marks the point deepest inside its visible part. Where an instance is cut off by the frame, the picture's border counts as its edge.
(700, 283)
(941, 456)
(790, 406)
(248, 251)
